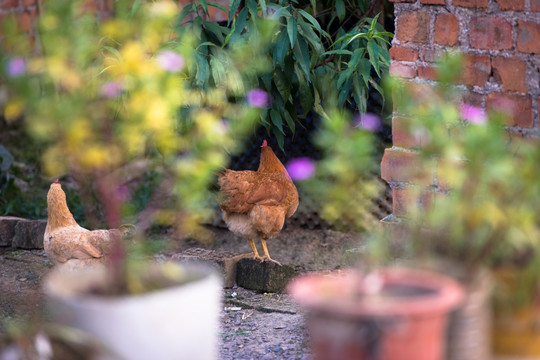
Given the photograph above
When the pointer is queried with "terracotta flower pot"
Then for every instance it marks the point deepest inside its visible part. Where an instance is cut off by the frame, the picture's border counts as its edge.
(405, 320)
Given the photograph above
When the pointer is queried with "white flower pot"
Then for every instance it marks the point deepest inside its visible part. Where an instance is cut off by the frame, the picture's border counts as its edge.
(179, 322)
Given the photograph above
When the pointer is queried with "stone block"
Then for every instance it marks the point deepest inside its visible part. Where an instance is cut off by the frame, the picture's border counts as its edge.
(224, 262)
(7, 229)
(264, 276)
(29, 234)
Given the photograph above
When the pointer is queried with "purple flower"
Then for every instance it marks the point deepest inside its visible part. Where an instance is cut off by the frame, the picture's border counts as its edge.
(16, 67)
(473, 114)
(368, 121)
(170, 61)
(111, 89)
(258, 98)
(301, 168)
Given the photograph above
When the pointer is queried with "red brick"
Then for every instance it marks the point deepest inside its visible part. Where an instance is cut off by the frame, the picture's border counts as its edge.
(427, 72)
(413, 26)
(471, 3)
(406, 136)
(446, 30)
(429, 54)
(403, 1)
(474, 99)
(517, 107)
(29, 2)
(477, 69)
(402, 70)
(403, 54)
(406, 166)
(407, 200)
(433, 2)
(490, 33)
(511, 73)
(516, 5)
(535, 5)
(528, 37)
(8, 4)
(27, 20)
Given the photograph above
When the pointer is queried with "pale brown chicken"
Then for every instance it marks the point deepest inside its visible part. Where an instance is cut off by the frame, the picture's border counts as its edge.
(255, 204)
(64, 239)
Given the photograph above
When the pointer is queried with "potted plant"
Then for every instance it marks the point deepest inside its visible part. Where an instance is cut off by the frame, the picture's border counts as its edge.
(377, 310)
(481, 213)
(112, 102)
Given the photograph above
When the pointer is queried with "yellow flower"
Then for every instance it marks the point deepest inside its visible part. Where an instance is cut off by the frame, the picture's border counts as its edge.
(13, 110)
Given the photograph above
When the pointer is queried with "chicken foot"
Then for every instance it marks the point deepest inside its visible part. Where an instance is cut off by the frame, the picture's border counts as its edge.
(267, 255)
(256, 255)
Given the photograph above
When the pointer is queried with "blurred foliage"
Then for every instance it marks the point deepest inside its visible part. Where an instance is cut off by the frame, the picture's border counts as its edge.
(316, 45)
(485, 213)
(105, 96)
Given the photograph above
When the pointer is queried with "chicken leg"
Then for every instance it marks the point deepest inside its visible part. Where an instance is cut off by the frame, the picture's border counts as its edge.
(256, 255)
(266, 254)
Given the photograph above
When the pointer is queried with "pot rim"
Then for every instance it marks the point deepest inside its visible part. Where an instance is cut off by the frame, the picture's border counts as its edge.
(335, 293)
(74, 284)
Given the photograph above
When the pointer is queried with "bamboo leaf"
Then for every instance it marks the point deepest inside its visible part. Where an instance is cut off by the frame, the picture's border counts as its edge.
(283, 84)
(338, 52)
(290, 121)
(373, 51)
(204, 5)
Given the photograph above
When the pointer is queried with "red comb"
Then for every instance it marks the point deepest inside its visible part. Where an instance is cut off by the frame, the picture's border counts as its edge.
(57, 181)
(264, 143)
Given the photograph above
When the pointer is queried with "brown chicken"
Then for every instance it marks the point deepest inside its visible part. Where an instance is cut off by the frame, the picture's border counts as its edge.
(64, 239)
(255, 204)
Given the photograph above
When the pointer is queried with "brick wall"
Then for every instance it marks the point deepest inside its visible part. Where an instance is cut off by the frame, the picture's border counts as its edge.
(500, 40)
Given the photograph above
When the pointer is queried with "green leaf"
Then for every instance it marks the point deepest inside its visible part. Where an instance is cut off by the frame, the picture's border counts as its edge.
(357, 55)
(279, 137)
(343, 77)
(313, 39)
(136, 6)
(252, 6)
(204, 4)
(359, 94)
(340, 9)
(241, 22)
(218, 70)
(364, 69)
(311, 19)
(306, 98)
(283, 84)
(344, 91)
(338, 52)
(292, 30)
(263, 6)
(276, 120)
(301, 51)
(215, 29)
(185, 11)
(206, 43)
(219, 6)
(233, 6)
(203, 73)
(280, 50)
(290, 121)
(373, 51)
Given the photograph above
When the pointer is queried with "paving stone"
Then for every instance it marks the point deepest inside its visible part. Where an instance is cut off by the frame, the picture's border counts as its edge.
(264, 276)
(29, 234)
(7, 229)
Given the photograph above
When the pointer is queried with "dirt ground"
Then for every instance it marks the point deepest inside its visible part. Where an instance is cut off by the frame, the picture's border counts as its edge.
(253, 325)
